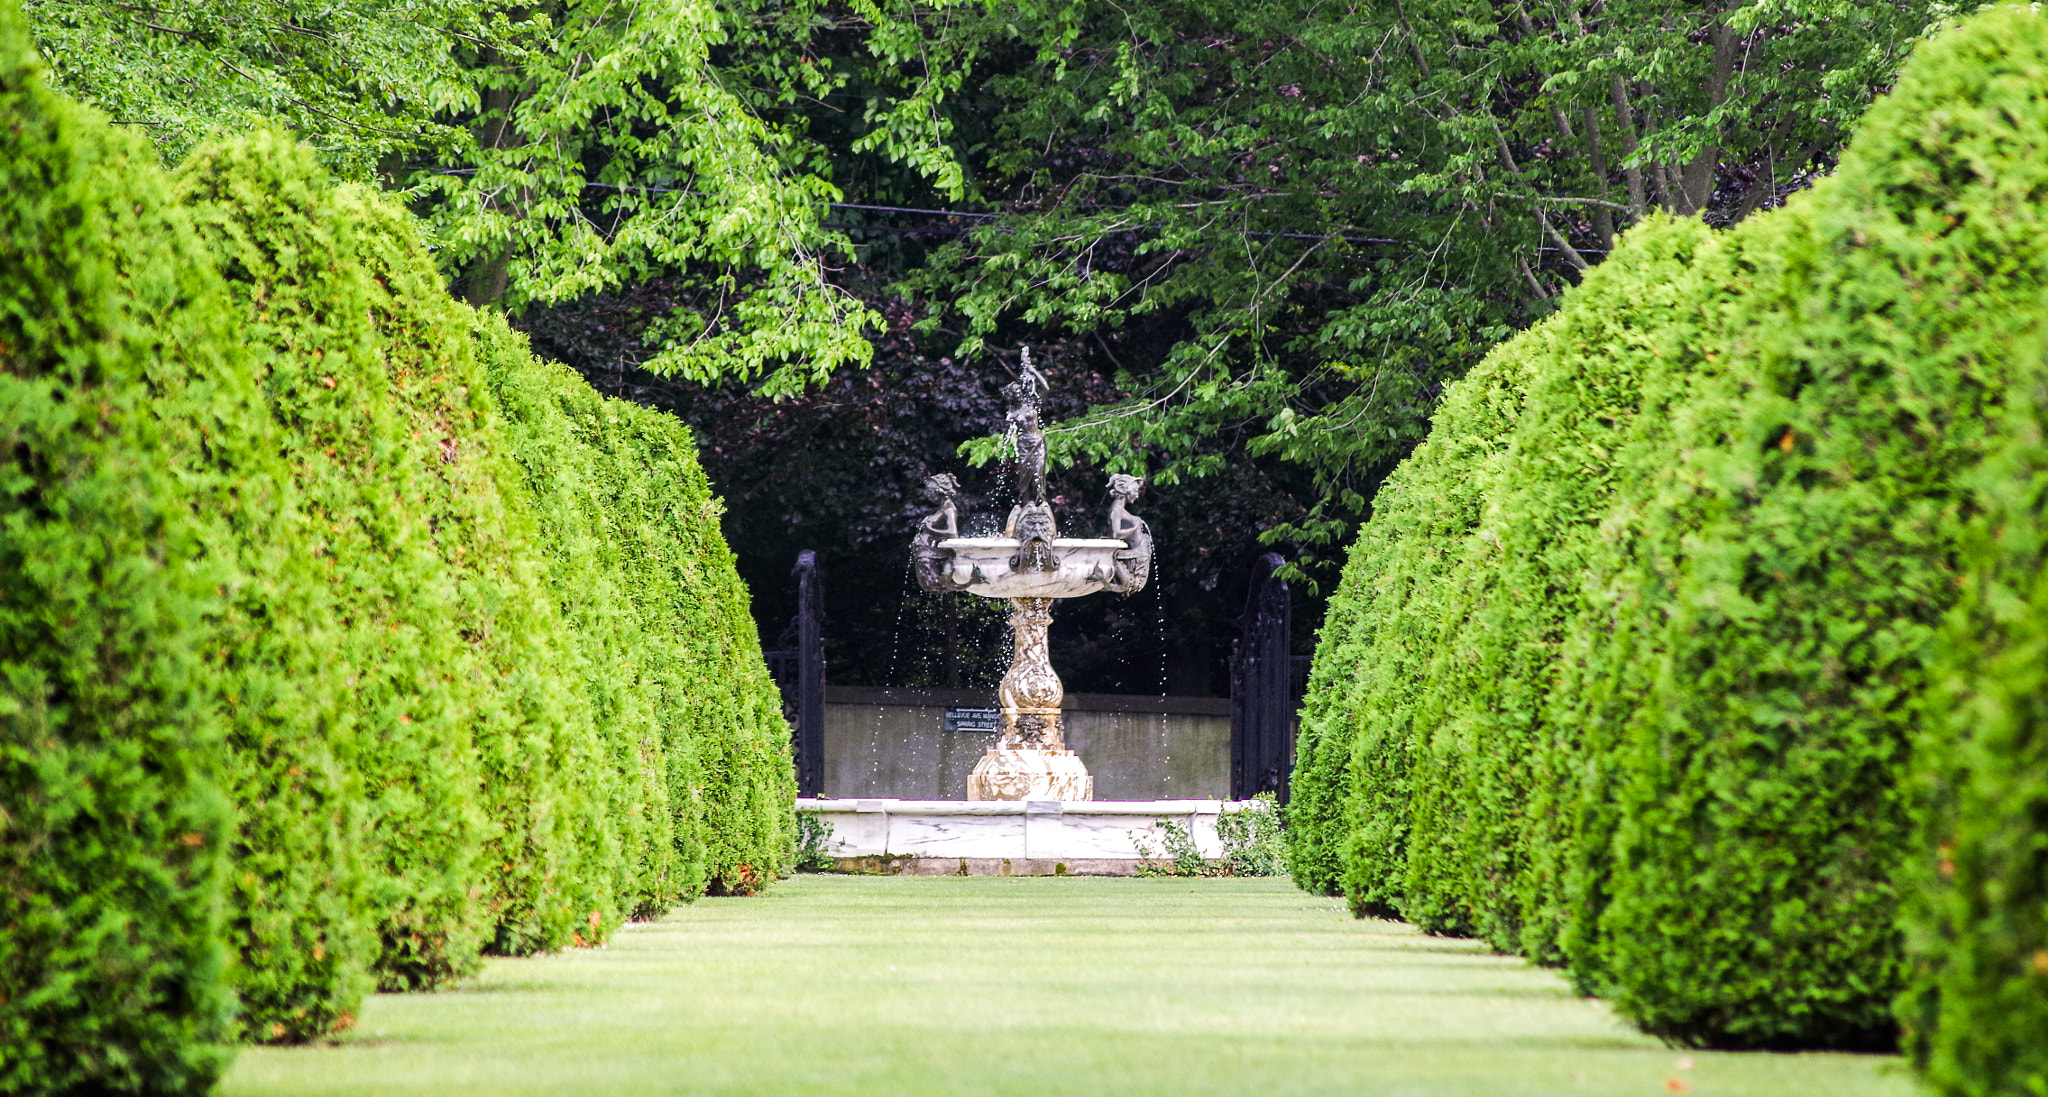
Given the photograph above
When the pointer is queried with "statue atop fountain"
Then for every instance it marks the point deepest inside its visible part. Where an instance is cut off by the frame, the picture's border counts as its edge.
(1031, 565)
(1031, 520)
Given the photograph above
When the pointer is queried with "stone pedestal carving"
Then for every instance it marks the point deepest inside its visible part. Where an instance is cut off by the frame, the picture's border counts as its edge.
(1031, 760)
(1030, 774)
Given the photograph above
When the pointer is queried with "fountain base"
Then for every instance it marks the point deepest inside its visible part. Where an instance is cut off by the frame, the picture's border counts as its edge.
(1030, 773)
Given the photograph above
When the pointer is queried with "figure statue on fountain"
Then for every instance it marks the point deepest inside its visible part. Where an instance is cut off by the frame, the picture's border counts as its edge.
(933, 565)
(1134, 560)
(1025, 431)
(1031, 520)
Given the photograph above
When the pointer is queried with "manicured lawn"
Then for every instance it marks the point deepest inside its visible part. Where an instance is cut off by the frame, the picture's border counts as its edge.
(898, 987)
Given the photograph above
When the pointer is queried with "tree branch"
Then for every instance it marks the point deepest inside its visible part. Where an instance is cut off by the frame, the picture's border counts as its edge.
(1570, 253)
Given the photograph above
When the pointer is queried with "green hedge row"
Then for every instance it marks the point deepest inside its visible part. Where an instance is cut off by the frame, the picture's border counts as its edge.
(1628, 671)
(112, 965)
(670, 661)
(342, 641)
(1976, 1008)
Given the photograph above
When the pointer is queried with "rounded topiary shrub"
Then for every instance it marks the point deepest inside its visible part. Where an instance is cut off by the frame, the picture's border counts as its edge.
(287, 243)
(320, 670)
(1634, 682)
(1500, 792)
(670, 656)
(1810, 552)
(550, 425)
(1348, 806)
(1976, 1005)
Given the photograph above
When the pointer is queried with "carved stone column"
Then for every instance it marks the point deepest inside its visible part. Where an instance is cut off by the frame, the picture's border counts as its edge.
(1030, 761)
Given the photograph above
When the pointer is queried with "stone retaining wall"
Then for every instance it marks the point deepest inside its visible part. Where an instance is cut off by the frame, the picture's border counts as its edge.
(892, 743)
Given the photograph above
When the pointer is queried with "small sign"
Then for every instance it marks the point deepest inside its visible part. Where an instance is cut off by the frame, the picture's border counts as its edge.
(981, 720)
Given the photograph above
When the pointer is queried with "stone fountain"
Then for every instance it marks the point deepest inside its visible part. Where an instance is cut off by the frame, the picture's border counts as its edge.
(1031, 566)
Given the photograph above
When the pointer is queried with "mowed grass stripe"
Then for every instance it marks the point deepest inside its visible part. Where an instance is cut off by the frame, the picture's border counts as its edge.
(898, 987)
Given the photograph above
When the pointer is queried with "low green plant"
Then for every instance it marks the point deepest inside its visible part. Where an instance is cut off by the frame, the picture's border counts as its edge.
(1167, 849)
(1254, 838)
(813, 843)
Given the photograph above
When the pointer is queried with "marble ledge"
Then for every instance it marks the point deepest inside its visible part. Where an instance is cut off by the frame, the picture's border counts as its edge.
(1017, 831)
(1018, 807)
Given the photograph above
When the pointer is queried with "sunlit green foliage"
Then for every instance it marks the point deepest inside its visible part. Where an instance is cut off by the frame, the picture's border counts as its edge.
(1681, 640)
(554, 148)
(1286, 224)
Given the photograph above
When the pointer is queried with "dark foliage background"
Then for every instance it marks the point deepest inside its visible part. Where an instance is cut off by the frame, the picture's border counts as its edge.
(841, 470)
(1250, 242)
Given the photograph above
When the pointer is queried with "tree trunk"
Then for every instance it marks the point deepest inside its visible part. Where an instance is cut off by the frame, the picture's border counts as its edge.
(1603, 218)
(1696, 179)
(485, 279)
(1625, 127)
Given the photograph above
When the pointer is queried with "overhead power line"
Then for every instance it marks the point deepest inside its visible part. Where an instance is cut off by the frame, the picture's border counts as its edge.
(973, 215)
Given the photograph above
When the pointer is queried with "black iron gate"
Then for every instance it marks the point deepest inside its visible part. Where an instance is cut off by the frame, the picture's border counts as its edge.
(799, 672)
(1263, 692)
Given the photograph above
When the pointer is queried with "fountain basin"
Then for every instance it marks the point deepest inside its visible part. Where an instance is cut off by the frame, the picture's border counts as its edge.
(1012, 837)
(981, 565)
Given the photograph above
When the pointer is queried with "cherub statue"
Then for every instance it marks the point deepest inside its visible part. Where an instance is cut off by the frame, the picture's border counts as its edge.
(1134, 560)
(932, 564)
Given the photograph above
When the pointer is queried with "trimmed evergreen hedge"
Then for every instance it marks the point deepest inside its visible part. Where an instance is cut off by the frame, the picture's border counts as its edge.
(1383, 627)
(343, 640)
(1481, 826)
(669, 657)
(1651, 711)
(112, 823)
(1976, 1007)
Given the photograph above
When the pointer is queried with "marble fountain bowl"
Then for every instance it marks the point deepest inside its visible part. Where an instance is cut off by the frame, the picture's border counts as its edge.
(981, 565)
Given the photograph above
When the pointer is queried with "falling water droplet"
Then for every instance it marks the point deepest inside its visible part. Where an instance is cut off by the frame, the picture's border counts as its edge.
(874, 781)
(1159, 610)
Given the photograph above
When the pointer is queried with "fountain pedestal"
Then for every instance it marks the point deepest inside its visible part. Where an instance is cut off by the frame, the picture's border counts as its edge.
(1031, 760)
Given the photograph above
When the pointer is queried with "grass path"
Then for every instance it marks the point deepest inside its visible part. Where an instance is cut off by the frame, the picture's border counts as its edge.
(901, 987)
